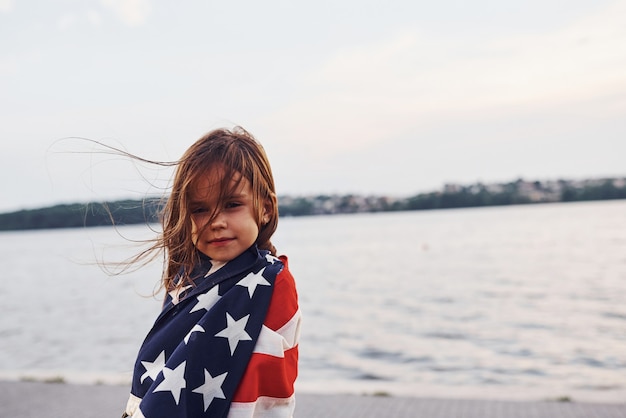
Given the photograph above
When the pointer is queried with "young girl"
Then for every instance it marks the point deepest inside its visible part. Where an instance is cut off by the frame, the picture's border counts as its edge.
(226, 341)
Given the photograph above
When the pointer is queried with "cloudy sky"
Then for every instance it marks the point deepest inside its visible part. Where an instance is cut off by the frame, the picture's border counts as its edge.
(382, 97)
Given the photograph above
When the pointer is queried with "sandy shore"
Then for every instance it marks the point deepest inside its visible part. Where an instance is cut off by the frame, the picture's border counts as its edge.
(52, 400)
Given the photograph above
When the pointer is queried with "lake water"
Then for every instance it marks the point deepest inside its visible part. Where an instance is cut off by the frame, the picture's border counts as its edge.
(519, 302)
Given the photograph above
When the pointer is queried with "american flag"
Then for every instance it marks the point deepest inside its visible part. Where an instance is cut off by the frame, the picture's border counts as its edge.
(226, 346)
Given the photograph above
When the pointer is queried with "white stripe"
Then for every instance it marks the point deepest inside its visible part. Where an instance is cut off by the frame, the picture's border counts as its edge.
(275, 343)
(264, 407)
(291, 330)
(132, 407)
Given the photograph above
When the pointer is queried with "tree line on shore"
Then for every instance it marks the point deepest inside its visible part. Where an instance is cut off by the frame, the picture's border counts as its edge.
(127, 212)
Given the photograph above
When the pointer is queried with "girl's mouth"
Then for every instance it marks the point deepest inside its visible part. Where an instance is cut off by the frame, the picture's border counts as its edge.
(220, 241)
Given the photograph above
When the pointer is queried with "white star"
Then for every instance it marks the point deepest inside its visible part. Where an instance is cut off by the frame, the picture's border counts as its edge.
(252, 280)
(234, 331)
(176, 292)
(153, 368)
(270, 258)
(173, 381)
(196, 328)
(211, 389)
(206, 300)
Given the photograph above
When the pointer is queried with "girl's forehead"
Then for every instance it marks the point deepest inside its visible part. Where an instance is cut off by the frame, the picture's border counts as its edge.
(211, 182)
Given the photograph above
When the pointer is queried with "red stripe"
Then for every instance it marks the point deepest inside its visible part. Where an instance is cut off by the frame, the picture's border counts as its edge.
(284, 302)
(268, 376)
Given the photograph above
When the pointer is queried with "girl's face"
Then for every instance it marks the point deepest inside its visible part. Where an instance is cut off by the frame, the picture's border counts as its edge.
(234, 228)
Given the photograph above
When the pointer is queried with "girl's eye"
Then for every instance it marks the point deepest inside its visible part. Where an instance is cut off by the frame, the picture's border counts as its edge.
(232, 205)
(199, 210)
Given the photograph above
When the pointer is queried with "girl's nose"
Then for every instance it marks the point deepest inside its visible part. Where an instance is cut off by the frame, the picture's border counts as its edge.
(219, 221)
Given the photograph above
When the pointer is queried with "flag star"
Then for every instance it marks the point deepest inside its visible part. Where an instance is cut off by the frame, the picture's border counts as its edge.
(153, 368)
(234, 331)
(173, 381)
(271, 259)
(176, 293)
(206, 300)
(196, 328)
(252, 280)
(211, 389)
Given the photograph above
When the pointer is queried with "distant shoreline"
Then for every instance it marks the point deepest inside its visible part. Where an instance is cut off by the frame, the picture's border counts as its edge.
(451, 196)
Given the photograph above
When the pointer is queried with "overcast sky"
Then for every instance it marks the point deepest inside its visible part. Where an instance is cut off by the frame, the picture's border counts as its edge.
(369, 97)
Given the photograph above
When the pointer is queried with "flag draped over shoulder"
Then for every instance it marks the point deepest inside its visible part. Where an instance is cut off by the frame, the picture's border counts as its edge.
(193, 359)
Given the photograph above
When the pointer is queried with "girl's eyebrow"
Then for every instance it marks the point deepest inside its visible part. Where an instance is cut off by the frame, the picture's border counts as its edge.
(196, 203)
(237, 196)
(232, 196)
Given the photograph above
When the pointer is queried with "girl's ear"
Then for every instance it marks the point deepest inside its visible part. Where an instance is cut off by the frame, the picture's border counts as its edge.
(267, 211)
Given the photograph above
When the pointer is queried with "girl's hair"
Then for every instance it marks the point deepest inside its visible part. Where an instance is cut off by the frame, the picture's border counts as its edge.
(240, 156)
